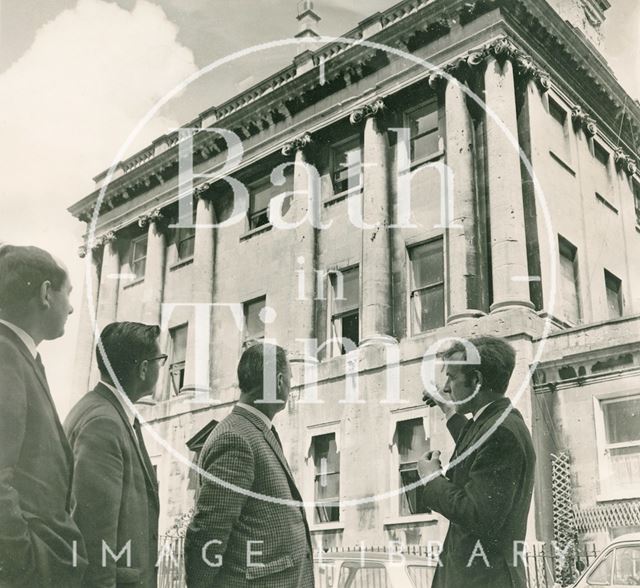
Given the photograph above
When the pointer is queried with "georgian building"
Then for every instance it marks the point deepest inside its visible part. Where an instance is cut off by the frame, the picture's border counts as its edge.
(547, 260)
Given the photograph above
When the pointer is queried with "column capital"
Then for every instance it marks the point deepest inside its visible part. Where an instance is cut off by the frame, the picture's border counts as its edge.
(154, 216)
(625, 162)
(372, 109)
(299, 143)
(200, 192)
(580, 118)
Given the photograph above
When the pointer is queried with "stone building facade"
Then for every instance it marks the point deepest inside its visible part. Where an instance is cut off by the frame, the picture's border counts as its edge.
(547, 260)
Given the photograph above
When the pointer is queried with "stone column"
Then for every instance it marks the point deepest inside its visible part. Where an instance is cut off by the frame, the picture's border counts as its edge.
(107, 292)
(463, 279)
(376, 322)
(303, 247)
(85, 348)
(506, 210)
(154, 272)
(197, 377)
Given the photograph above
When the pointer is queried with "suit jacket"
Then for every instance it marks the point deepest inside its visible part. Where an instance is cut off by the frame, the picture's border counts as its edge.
(244, 452)
(486, 498)
(38, 538)
(116, 493)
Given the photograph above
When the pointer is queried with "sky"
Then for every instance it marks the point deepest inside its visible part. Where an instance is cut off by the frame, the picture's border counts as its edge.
(76, 76)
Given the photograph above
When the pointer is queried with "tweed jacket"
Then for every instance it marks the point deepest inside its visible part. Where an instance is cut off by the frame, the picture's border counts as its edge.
(231, 528)
(38, 537)
(486, 498)
(116, 493)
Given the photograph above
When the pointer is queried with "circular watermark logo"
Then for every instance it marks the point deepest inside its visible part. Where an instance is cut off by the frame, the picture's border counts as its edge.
(233, 145)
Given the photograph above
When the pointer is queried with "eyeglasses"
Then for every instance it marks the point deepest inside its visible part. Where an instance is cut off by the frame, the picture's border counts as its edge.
(162, 359)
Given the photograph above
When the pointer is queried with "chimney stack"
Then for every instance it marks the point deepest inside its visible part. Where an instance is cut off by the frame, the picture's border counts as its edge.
(308, 21)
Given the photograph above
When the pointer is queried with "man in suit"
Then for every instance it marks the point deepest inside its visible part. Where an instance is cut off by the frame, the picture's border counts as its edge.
(114, 483)
(40, 545)
(247, 529)
(487, 495)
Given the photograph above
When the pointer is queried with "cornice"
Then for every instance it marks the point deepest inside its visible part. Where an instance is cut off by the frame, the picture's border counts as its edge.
(409, 25)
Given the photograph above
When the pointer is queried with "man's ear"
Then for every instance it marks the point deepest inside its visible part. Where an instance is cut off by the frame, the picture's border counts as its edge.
(142, 370)
(44, 294)
(479, 378)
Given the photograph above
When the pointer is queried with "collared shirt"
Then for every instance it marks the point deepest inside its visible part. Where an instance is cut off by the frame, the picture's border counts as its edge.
(23, 336)
(253, 410)
(131, 415)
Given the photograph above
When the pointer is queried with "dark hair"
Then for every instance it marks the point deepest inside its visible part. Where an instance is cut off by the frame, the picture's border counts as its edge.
(126, 345)
(23, 270)
(251, 365)
(497, 360)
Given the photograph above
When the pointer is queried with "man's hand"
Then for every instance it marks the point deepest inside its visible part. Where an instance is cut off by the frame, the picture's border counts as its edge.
(438, 398)
(429, 466)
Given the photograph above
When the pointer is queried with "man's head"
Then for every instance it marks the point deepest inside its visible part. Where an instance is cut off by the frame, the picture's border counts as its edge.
(34, 291)
(134, 357)
(264, 377)
(478, 371)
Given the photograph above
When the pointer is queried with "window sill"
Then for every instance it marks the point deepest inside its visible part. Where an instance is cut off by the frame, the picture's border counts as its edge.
(182, 263)
(410, 519)
(618, 494)
(562, 163)
(134, 283)
(340, 196)
(333, 526)
(253, 232)
(413, 165)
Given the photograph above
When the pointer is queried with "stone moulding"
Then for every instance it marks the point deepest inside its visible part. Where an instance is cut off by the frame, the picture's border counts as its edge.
(373, 108)
(297, 144)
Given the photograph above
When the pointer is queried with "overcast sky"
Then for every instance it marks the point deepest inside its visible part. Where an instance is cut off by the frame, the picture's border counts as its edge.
(77, 75)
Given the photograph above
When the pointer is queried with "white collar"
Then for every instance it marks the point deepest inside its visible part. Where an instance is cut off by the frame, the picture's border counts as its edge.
(253, 410)
(23, 336)
(129, 411)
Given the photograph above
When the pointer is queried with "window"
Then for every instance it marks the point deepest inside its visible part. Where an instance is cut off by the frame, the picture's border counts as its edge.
(620, 447)
(178, 358)
(361, 574)
(411, 444)
(601, 154)
(636, 199)
(345, 315)
(253, 324)
(559, 138)
(427, 286)
(326, 463)
(626, 566)
(614, 294)
(425, 135)
(569, 291)
(601, 576)
(185, 240)
(260, 194)
(138, 257)
(346, 171)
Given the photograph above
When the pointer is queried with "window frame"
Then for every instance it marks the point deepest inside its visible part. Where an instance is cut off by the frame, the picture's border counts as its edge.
(610, 277)
(563, 152)
(412, 290)
(337, 349)
(316, 475)
(568, 246)
(135, 260)
(608, 489)
(403, 498)
(410, 118)
(337, 148)
(246, 339)
(180, 239)
(177, 368)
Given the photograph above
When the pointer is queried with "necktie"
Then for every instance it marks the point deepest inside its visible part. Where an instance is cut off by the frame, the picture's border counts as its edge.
(143, 449)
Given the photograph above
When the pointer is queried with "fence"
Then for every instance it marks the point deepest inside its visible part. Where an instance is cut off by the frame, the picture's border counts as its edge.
(541, 561)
